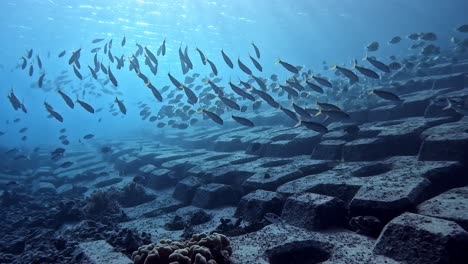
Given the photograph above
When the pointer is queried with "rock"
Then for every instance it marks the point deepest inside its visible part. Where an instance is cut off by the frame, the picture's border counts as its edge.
(185, 189)
(255, 205)
(214, 195)
(329, 150)
(188, 217)
(421, 239)
(364, 149)
(100, 252)
(160, 178)
(44, 187)
(107, 182)
(446, 142)
(314, 211)
(451, 205)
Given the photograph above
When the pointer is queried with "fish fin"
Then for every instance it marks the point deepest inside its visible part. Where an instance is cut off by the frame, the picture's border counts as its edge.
(319, 112)
(333, 67)
(278, 61)
(370, 92)
(449, 105)
(298, 124)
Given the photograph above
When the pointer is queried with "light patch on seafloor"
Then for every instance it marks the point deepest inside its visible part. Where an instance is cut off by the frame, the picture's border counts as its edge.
(157, 13)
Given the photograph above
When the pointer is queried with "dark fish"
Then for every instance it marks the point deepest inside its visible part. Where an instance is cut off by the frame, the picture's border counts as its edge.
(323, 81)
(463, 28)
(374, 46)
(111, 57)
(367, 72)
(66, 164)
(243, 121)
(63, 130)
(395, 40)
(39, 62)
(212, 116)
(14, 100)
(229, 103)
(95, 50)
(192, 97)
(74, 57)
(314, 87)
(97, 40)
(53, 113)
(317, 127)
(61, 54)
(347, 72)
(93, 73)
(202, 56)
(151, 55)
(139, 51)
(213, 67)
(155, 91)
(187, 58)
(24, 129)
(288, 66)
(161, 125)
(244, 68)
(67, 99)
(30, 53)
(386, 95)
(379, 65)
(124, 40)
(103, 68)
(266, 97)
(290, 114)
(41, 80)
(215, 88)
(112, 77)
(327, 106)
(24, 64)
(334, 114)
(241, 92)
(88, 136)
(122, 107)
(174, 81)
(295, 84)
(257, 51)
(31, 70)
(227, 60)
(256, 63)
(86, 106)
(300, 111)
(77, 73)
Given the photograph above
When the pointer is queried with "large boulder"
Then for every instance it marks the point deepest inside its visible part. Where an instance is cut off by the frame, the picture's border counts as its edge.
(255, 205)
(418, 239)
(214, 195)
(185, 189)
(314, 211)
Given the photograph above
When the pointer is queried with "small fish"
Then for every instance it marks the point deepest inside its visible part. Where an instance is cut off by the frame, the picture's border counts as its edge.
(288, 66)
(86, 106)
(386, 95)
(317, 127)
(365, 71)
(463, 28)
(243, 67)
(61, 54)
(66, 164)
(74, 57)
(334, 114)
(212, 116)
(112, 77)
(378, 64)
(39, 62)
(314, 87)
(40, 82)
(241, 92)
(374, 46)
(97, 40)
(327, 106)
(257, 51)
(155, 91)
(24, 129)
(77, 73)
(227, 59)
(213, 67)
(256, 63)
(414, 36)
(395, 40)
(229, 103)
(347, 72)
(243, 121)
(272, 218)
(124, 40)
(88, 136)
(54, 114)
(122, 107)
(93, 73)
(67, 99)
(202, 56)
(31, 70)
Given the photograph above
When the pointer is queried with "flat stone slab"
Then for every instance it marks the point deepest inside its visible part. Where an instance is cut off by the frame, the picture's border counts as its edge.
(451, 205)
(421, 239)
(100, 252)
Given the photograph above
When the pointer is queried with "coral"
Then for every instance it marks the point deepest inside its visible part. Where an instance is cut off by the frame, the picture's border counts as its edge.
(200, 249)
(101, 204)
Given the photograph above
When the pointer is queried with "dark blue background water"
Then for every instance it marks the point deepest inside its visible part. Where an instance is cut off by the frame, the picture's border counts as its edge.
(300, 32)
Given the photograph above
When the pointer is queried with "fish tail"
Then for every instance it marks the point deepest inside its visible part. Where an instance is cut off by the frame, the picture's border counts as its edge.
(370, 92)
(333, 67)
(319, 112)
(298, 124)
(201, 110)
(278, 61)
(449, 105)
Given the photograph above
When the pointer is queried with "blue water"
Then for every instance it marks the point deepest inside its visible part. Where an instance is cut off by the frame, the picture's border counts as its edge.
(300, 32)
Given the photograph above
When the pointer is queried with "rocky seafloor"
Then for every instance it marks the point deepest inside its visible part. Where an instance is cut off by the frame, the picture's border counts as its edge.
(395, 192)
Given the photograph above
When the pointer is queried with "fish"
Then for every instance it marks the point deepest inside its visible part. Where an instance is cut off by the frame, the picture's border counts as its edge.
(66, 164)
(374, 46)
(192, 97)
(187, 58)
(295, 84)
(112, 77)
(66, 98)
(290, 90)
(124, 40)
(86, 106)
(122, 107)
(97, 40)
(74, 57)
(430, 36)
(77, 73)
(229, 103)
(24, 129)
(24, 64)
(327, 106)
(212, 116)
(227, 59)
(155, 91)
(351, 129)
(288, 66)
(317, 127)
(93, 73)
(395, 40)
(462, 28)
(243, 121)
(30, 53)
(257, 51)
(14, 100)
(53, 113)
(335, 114)
(272, 218)
(31, 70)
(266, 97)
(300, 111)
(215, 88)
(394, 66)
(174, 81)
(365, 71)
(213, 67)
(347, 72)
(386, 95)
(41, 80)
(256, 63)
(259, 82)
(202, 56)
(139, 51)
(88, 136)
(323, 81)
(314, 87)
(95, 50)
(414, 36)
(378, 64)
(244, 68)
(151, 55)
(39, 62)
(241, 92)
